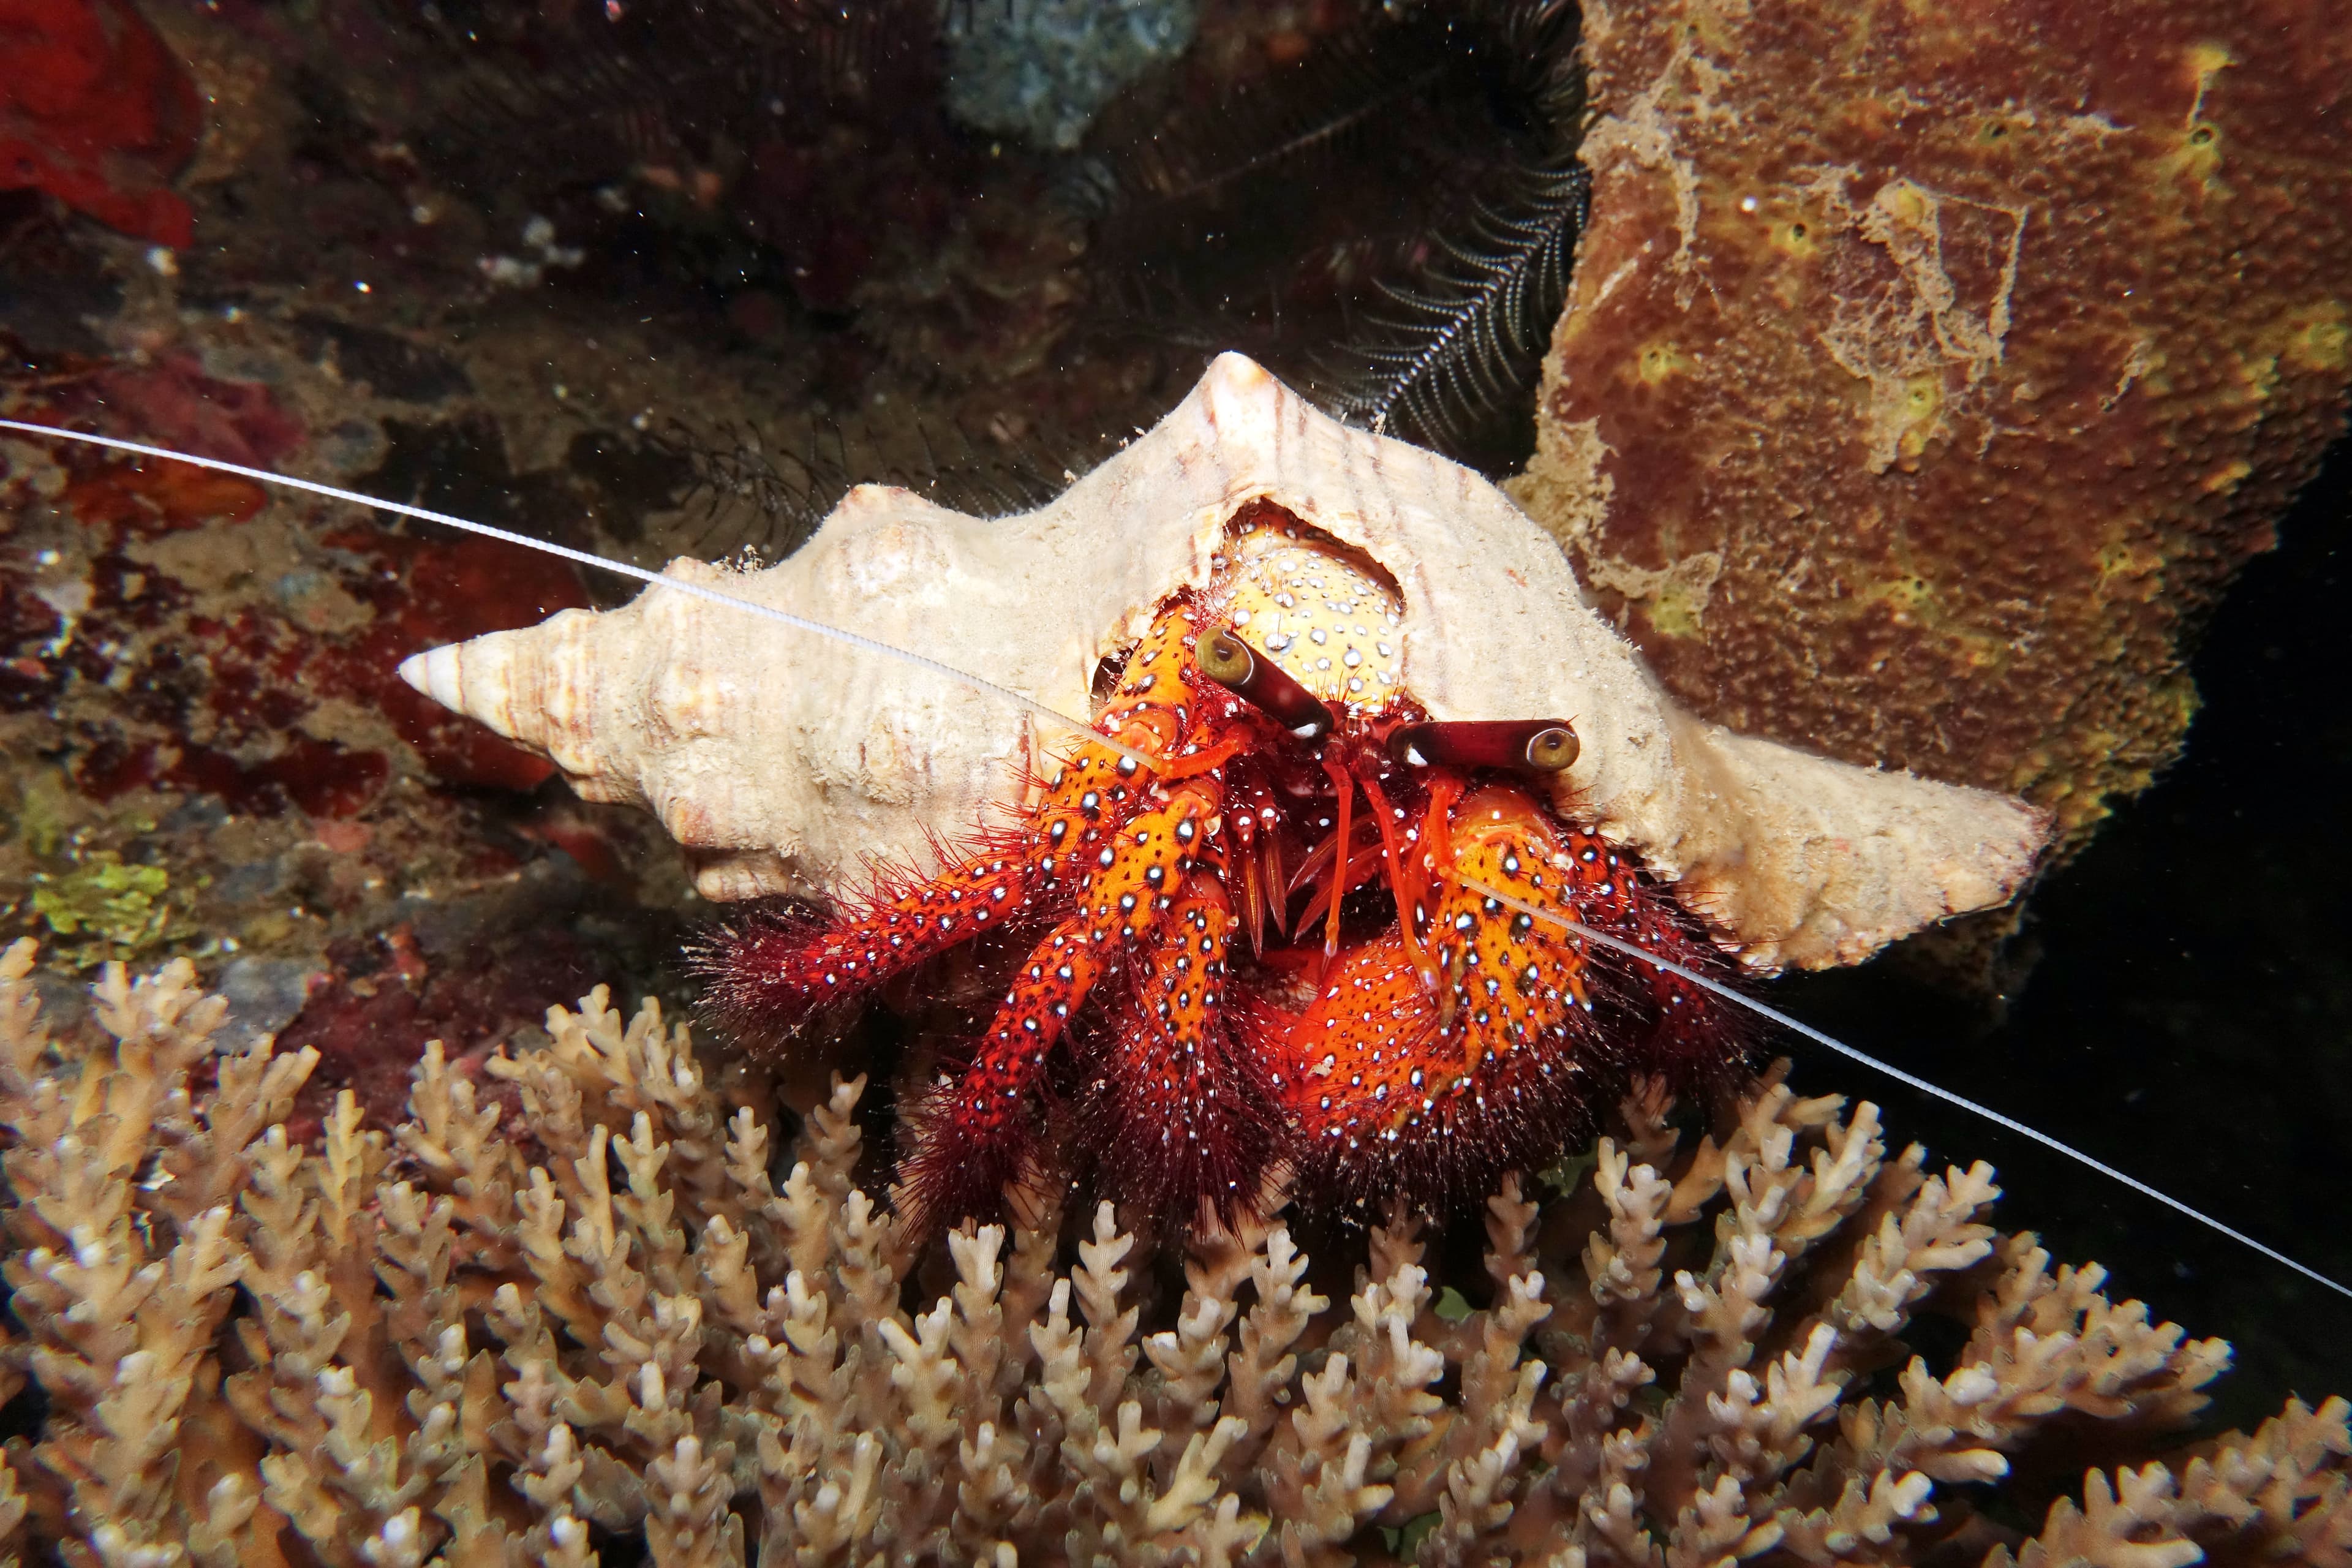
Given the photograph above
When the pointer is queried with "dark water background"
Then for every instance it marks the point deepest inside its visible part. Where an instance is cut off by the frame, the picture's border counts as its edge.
(2186, 1013)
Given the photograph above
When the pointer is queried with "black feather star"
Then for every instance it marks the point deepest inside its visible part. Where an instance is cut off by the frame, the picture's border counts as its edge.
(1466, 337)
(1454, 350)
(1390, 223)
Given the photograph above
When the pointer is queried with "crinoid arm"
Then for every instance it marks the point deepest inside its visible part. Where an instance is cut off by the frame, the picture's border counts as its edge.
(1465, 340)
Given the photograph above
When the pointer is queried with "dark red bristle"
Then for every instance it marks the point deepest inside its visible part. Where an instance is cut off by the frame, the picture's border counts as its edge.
(766, 972)
(976, 1128)
(1178, 1119)
(750, 967)
(959, 1166)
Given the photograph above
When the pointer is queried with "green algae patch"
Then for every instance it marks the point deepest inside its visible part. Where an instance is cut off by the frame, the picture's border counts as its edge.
(108, 909)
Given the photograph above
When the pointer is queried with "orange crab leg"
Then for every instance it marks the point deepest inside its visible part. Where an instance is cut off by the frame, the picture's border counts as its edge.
(1392, 1086)
(1350, 1059)
(767, 975)
(1167, 770)
(1329, 880)
(975, 1132)
(1517, 979)
(1179, 1116)
(1437, 855)
(1318, 869)
(1437, 827)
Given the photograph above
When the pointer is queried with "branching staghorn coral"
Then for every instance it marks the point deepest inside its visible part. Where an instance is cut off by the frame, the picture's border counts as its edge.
(615, 1324)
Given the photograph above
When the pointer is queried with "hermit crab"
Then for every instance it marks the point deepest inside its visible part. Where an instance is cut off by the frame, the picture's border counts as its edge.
(1304, 891)
(1432, 1034)
(1251, 1016)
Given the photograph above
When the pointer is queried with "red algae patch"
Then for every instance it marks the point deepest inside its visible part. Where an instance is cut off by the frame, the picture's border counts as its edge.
(95, 111)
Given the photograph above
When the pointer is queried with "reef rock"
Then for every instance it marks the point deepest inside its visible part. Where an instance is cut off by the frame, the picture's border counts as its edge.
(788, 763)
(1927, 371)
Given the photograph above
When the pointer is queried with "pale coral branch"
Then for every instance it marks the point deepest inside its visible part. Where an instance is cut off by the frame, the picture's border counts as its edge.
(415, 1344)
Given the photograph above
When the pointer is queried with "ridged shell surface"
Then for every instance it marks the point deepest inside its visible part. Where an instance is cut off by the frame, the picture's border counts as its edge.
(787, 762)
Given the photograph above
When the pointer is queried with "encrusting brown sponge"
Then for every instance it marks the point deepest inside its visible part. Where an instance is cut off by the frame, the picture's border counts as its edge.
(1929, 369)
(610, 1328)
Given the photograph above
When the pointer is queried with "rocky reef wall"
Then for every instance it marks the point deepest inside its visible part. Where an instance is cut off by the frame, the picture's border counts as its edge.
(1927, 370)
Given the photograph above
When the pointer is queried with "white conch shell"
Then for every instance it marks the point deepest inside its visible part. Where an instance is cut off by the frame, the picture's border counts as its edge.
(787, 762)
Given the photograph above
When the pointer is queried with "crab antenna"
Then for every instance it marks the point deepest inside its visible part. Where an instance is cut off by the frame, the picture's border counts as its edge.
(1717, 988)
(622, 568)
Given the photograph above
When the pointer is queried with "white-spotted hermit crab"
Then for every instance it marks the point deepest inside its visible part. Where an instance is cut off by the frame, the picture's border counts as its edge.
(1402, 1030)
(1366, 746)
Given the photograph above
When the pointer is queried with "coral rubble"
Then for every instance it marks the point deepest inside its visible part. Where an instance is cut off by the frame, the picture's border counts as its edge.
(1920, 353)
(610, 1326)
(205, 749)
(175, 631)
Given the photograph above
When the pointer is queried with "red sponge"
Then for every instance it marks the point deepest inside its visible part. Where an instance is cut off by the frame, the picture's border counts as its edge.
(95, 110)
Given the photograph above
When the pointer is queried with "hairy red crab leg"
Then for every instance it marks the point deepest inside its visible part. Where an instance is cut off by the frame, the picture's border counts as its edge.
(1124, 901)
(1577, 928)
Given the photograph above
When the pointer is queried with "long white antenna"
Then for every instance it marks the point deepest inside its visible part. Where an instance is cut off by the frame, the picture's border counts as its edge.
(1717, 988)
(1041, 710)
(622, 568)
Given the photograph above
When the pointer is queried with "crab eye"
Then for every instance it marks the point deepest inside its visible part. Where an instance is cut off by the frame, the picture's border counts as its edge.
(1235, 666)
(1517, 745)
(1552, 749)
(1225, 659)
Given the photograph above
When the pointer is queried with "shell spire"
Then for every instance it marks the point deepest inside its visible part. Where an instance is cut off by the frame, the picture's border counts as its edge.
(481, 679)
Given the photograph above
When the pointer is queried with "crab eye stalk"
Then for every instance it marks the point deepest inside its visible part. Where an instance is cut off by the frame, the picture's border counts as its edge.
(1515, 745)
(1235, 666)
